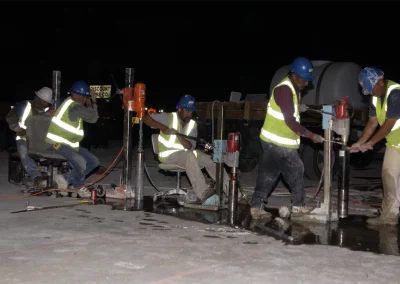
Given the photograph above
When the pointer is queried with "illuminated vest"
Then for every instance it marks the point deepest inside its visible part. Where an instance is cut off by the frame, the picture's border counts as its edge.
(393, 138)
(22, 119)
(64, 131)
(168, 144)
(275, 129)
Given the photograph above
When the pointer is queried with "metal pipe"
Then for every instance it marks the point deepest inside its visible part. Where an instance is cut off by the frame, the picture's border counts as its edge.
(219, 180)
(56, 88)
(232, 198)
(139, 170)
(127, 167)
(328, 169)
(343, 184)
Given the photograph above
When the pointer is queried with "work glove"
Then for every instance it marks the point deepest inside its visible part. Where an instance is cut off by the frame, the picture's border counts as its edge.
(93, 95)
(317, 138)
(303, 108)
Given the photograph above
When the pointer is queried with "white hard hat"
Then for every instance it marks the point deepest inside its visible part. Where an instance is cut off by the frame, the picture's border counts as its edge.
(45, 94)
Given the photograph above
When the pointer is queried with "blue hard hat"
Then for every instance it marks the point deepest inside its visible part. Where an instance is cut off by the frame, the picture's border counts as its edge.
(187, 102)
(303, 68)
(80, 88)
(368, 78)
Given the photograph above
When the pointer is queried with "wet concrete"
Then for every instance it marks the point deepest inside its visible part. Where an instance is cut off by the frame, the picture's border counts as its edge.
(352, 233)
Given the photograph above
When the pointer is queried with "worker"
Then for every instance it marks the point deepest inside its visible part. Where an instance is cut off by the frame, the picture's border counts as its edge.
(65, 132)
(280, 140)
(16, 119)
(385, 111)
(178, 150)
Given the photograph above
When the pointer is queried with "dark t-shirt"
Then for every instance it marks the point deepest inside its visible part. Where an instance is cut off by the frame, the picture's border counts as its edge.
(393, 105)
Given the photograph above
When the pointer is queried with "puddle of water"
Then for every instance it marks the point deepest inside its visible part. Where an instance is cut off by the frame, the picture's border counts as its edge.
(352, 233)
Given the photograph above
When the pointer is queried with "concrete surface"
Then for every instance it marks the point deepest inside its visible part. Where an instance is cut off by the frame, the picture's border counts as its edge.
(94, 244)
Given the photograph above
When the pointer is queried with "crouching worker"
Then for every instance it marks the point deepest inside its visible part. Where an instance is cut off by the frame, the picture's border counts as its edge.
(175, 149)
(16, 119)
(65, 132)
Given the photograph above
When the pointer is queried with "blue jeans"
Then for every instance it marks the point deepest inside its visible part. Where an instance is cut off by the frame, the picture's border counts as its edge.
(82, 163)
(29, 164)
(274, 162)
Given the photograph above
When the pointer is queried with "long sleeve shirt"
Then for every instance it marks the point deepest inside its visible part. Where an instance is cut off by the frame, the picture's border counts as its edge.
(284, 99)
(88, 114)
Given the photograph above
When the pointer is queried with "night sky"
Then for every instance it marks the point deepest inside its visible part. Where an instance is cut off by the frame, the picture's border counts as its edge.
(207, 49)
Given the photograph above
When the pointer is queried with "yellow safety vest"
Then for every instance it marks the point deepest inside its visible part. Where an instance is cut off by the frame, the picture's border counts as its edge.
(393, 138)
(64, 131)
(22, 119)
(275, 129)
(168, 144)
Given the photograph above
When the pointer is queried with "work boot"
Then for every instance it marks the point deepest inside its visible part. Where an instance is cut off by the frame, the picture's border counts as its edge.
(301, 210)
(84, 192)
(210, 191)
(39, 182)
(189, 198)
(258, 213)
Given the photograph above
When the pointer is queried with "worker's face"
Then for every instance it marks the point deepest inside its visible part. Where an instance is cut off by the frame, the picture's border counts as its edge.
(185, 115)
(44, 104)
(300, 83)
(78, 98)
(379, 89)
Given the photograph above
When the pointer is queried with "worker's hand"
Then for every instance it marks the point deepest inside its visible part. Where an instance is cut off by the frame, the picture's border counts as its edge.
(366, 146)
(303, 108)
(317, 138)
(354, 148)
(170, 131)
(93, 95)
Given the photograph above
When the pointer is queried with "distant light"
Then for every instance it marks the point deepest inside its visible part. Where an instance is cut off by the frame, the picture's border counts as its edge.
(12, 107)
(145, 108)
(161, 110)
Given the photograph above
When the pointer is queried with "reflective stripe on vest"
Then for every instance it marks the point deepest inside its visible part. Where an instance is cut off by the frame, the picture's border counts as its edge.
(169, 144)
(59, 121)
(21, 123)
(278, 132)
(393, 138)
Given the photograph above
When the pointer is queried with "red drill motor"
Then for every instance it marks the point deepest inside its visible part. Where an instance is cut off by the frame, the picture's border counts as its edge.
(233, 143)
(232, 152)
(342, 105)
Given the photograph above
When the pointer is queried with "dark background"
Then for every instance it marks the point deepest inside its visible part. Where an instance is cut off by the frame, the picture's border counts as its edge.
(207, 49)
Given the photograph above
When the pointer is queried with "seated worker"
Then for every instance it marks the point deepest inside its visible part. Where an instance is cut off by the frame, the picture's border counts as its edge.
(16, 118)
(66, 131)
(180, 151)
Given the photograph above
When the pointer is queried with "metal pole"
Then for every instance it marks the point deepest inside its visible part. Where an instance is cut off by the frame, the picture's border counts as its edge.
(127, 169)
(56, 88)
(219, 180)
(232, 198)
(328, 169)
(343, 184)
(139, 170)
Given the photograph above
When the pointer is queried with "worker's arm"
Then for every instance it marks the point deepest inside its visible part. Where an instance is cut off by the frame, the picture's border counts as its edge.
(188, 143)
(284, 99)
(13, 115)
(392, 115)
(153, 123)
(88, 114)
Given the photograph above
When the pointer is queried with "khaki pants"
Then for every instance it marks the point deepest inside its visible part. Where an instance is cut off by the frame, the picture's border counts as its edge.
(193, 167)
(391, 182)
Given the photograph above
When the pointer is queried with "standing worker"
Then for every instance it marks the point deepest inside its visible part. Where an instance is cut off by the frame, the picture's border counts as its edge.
(385, 111)
(16, 118)
(175, 149)
(66, 132)
(280, 140)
